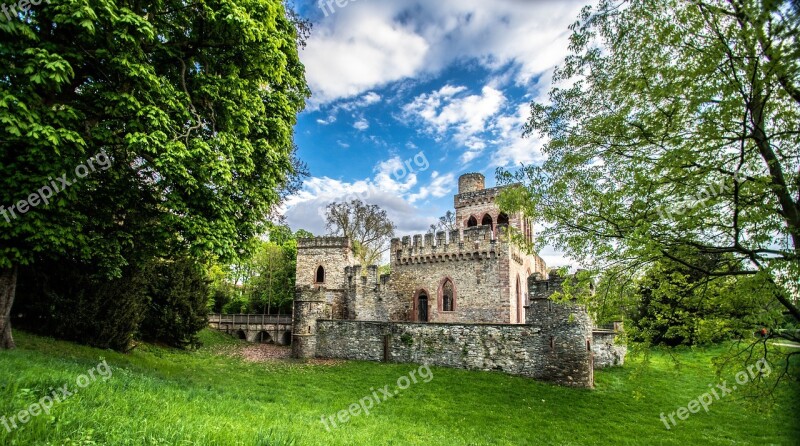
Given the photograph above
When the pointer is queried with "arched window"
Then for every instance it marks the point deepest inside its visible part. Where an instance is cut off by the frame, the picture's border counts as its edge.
(502, 219)
(448, 296)
(472, 222)
(487, 220)
(320, 275)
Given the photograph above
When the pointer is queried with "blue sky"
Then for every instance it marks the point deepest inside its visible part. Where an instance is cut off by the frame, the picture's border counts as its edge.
(408, 95)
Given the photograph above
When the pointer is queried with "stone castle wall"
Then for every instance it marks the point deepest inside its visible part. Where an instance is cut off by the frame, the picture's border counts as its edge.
(608, 349)
(477, 265)
(513, 349)
(310, 305)
(557, 343)
(334, 254)
(604, 345)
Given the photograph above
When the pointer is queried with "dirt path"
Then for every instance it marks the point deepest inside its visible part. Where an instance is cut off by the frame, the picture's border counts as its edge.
(264, 352)
(276, 353)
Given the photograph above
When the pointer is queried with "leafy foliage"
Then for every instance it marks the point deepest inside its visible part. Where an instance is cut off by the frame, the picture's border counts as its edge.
(673, 129)
(194, 103)
(672, 304)
(178, 295)
(69, 300)
(263, 283)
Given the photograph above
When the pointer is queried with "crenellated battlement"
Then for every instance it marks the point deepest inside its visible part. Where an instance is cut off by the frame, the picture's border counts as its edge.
(323, 242)
(482, 196)
(478, 241)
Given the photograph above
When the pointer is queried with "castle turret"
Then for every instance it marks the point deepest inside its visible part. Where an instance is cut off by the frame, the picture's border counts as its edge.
(568, 328)
(310, 304)
(471, 182)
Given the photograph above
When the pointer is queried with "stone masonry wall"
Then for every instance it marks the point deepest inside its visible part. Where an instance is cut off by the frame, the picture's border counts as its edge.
(513, 349)
(608, 351)
(334, 254)
(310, 304)
(477, 264)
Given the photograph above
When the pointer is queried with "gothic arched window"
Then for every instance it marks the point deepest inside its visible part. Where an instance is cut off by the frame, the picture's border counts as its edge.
(320, 275)
(448, 296)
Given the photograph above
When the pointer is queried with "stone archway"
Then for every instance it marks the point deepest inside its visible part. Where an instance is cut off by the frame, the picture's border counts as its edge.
(263, 338)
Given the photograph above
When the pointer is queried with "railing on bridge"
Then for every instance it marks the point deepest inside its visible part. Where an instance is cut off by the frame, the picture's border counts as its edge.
(249, 319)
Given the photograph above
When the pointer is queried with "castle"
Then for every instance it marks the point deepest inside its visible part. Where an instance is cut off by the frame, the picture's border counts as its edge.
(446, 294)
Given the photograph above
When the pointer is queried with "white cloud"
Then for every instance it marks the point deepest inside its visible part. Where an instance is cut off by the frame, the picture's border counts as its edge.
(355, 51)
(372, 43)
(394, 187)
(330, 120)
(448, 111)
(512, 148)
(477, 122)
(440, 186)
(361, 125)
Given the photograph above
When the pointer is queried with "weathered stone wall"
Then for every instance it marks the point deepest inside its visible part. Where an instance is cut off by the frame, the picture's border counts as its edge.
(513, 349)
(608, 350)
(568, 329)
(475, 264)
(310, 304)
(334, 254)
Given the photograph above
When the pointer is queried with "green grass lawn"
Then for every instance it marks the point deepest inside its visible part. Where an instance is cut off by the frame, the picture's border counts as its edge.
(158, 396)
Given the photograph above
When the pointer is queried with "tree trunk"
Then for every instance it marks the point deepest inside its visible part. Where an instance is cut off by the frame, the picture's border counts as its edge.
(8, 287)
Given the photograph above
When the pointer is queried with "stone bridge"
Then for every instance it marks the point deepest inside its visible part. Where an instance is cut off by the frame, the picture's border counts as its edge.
(254, 327)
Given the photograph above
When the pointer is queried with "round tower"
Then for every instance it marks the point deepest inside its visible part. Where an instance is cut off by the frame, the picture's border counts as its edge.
(471, 182)
(309, 305)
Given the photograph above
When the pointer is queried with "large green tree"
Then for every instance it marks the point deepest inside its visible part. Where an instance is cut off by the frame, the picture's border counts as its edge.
(673, 127)
(193, 103)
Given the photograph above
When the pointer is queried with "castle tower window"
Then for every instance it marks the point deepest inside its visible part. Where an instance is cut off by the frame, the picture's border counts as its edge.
(472, 222)
(502, 219)
(448, 296)
(320, 278)
(487, 220)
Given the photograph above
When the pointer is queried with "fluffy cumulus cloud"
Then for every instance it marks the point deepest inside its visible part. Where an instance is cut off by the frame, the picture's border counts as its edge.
(368, 44)
(355, 51)
(394, 186)
(361, 125)
(475, 122)
(513, 149)
(466, 116)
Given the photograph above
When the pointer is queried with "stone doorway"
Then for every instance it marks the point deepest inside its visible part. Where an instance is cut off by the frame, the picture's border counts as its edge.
(422, 308)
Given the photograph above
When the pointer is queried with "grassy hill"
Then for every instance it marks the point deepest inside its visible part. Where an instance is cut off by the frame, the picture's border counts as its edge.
(156, 396)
